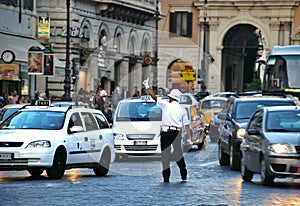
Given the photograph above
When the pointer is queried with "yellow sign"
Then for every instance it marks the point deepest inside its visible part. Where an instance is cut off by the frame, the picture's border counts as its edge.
(9, 71)
(44, 28)
(188, 75)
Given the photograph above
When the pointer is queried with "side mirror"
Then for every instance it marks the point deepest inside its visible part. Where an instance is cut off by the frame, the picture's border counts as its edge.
(253, 132)
(228, 117)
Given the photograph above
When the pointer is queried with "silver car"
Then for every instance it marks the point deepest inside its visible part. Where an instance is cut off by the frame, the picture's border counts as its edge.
(271, 146)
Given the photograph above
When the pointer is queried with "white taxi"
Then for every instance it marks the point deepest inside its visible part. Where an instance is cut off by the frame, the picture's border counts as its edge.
(38, 138)
(136, 127)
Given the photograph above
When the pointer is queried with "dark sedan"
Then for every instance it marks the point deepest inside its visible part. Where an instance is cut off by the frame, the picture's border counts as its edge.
(271, 146)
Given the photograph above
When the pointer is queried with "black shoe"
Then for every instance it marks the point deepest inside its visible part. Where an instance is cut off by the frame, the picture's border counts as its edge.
(166, 180)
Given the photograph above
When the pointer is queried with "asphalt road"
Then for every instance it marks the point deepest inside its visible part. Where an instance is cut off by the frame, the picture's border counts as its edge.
(137, 181)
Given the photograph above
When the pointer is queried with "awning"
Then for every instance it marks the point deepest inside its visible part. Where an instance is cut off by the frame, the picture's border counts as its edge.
(20, 46)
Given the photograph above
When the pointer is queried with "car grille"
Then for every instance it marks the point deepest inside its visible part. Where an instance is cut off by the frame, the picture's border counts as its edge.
(140, 147)
(11, 144)
(278, 167)
(117, 147)
(140, 136)
(19, 164)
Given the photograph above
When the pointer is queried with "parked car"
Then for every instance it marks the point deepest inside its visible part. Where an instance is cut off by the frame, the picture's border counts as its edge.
(136, 127)
(38, 138)
(197, 127)
(235, 116)
(271, 146)
(9, 109)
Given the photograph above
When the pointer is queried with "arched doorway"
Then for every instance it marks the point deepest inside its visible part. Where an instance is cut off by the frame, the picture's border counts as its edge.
(177, 77)
(239, 54)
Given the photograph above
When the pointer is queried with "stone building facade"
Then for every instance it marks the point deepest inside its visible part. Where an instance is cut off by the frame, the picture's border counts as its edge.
(231, 35)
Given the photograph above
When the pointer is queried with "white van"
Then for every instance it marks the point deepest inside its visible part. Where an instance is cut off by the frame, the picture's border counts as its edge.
(136, 127)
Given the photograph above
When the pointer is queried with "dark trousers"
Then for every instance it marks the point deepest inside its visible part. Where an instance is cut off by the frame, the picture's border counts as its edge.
(172, 137)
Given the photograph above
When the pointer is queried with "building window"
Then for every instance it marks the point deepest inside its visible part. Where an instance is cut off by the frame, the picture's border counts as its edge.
(181, 24)
(28, 4)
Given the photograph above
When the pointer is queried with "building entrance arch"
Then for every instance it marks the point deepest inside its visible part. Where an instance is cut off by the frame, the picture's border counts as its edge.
(239, 54)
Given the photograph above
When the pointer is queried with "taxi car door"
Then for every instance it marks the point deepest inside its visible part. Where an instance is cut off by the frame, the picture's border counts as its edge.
(105, 129)
(79, 145)
(93, 137)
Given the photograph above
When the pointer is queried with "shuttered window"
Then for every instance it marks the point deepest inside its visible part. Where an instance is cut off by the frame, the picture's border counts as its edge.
(181, 24)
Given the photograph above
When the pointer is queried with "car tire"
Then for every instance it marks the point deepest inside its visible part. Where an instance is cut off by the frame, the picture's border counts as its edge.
(234, 161)
(59, 165)
(35, 172)
(223, 157)
(266, 178)
(103, 166)
(246, 174)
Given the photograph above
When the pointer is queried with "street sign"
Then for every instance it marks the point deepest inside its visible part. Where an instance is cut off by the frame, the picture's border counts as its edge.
(188, 75)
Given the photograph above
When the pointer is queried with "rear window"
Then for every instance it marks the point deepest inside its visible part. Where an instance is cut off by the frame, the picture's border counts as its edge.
(244, 110)
(138, 111)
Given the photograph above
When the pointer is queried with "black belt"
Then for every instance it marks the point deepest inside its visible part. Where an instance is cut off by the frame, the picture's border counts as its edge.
(171, 128)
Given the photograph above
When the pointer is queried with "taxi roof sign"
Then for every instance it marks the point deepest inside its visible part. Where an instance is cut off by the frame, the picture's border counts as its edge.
(46, 103)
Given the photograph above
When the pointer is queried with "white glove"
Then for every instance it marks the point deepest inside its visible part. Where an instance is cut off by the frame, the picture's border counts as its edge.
(146, 83)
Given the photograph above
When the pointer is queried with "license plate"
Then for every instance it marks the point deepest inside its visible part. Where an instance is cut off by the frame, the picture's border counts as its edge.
(140, 142)
(6, 156)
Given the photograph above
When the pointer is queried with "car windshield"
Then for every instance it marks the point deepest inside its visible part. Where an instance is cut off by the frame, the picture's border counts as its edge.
(208, 104)
(47, 120)
(283, 121)
(6, 112)
(244, 110)
(138, 111)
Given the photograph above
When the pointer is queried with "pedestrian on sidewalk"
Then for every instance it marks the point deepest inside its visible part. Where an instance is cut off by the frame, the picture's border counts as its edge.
(174, 117)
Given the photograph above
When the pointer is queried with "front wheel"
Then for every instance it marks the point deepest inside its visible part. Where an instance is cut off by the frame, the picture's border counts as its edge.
(234, 160)
(59, 165)
(223, 157)
(103, 167)
(266, 178)
(246, 174)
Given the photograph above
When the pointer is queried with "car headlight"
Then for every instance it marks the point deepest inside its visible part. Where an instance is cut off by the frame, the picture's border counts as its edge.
(282, 148)
(39, 144)
(118, 136)
(240, 133)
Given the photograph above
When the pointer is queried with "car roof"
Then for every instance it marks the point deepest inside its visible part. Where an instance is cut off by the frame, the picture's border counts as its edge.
(259, 98)
(281, 108)
(14, 105)
(214, 98)
(144, 98)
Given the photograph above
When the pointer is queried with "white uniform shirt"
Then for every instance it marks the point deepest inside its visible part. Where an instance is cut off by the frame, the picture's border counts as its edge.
(173, 114)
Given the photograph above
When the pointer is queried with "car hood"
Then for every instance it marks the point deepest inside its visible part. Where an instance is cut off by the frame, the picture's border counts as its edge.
(208, 114)
(17, 135)
(284, 137)
(137, 127)
(242, 123)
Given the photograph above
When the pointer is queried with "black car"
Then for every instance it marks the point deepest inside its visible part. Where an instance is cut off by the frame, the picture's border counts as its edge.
(235, 116)
(271, 146)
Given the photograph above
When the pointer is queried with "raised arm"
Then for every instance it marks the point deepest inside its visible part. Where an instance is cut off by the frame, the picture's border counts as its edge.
(149, 90)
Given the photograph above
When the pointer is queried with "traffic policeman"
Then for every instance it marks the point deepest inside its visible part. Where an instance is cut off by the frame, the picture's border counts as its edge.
(174, 117)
